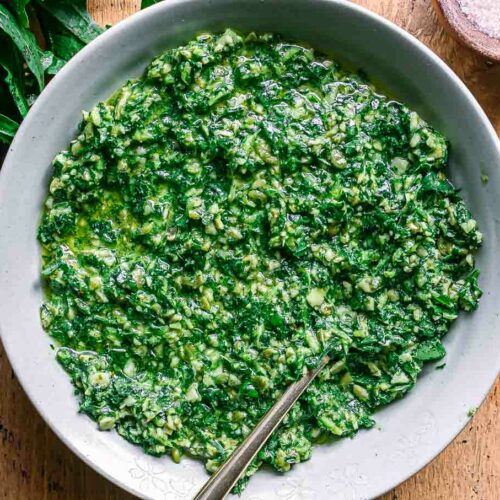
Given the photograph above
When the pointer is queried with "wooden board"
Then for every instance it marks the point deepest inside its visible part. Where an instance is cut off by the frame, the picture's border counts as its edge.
(34, 464)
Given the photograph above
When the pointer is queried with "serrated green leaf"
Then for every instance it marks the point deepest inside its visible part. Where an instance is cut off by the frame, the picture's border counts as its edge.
(66, 46)
(51, 63)
(17, 92)
(25, 42)
(19, 8)
(13, 66)
(8, 129)
(62, 43)
(73, 16)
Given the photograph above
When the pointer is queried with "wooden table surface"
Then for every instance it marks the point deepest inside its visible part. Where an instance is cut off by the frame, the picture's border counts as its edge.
(34, 464)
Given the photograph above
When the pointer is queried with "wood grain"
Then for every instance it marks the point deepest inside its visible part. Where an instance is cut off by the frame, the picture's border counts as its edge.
(35, 465)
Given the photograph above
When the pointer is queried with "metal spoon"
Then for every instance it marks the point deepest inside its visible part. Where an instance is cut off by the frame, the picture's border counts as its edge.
(221, 483)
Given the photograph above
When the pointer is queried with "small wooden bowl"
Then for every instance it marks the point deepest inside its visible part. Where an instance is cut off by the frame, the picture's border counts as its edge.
(465, 31)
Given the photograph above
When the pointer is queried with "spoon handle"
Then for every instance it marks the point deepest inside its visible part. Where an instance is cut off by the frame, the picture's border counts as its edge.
(221, 483)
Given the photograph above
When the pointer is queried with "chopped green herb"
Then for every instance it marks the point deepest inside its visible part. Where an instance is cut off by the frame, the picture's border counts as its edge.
(472, 411)
(220, 223)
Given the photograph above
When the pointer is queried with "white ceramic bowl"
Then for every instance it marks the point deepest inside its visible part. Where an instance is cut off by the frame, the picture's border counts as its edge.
(412, 431)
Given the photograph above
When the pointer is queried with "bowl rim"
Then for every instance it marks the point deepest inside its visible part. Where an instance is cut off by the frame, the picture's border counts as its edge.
(100, 42)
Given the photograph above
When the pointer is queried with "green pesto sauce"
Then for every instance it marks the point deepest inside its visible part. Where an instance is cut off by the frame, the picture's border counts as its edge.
(221, 222)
